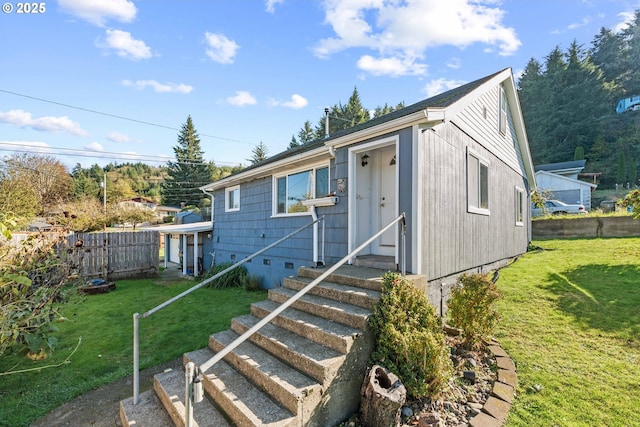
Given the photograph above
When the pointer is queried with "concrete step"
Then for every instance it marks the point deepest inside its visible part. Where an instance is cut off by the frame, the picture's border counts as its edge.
(149, 411)
(242, 402)
(285, 384)
(336, 311)
(361, 277)
(386, 263)
(315, 360)
(361, 297)
(170, 388)
(330, 334)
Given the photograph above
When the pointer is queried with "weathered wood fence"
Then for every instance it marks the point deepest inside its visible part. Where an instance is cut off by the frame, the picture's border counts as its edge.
(113, 256)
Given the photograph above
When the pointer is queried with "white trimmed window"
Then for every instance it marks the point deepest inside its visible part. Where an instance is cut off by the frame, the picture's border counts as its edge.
(232, 199)
(519, 203)
(291, 189)
(477, 184)
(502, 112)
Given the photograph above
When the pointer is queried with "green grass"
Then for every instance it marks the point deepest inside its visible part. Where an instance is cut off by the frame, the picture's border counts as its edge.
(571, 322)
(104, 323)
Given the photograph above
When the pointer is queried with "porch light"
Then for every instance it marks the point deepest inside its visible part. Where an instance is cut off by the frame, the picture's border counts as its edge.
(365, 160)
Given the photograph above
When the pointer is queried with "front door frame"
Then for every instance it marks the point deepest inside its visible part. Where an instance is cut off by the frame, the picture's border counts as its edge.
(354, 161)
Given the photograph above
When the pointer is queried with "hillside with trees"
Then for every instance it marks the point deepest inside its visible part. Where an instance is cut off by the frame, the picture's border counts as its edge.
(569, 105)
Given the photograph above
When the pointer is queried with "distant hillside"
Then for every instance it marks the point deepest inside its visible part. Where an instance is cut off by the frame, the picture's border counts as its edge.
(569, 105)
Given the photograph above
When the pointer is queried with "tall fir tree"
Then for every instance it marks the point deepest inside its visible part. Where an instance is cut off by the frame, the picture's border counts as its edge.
(259, 153)
(189, 172)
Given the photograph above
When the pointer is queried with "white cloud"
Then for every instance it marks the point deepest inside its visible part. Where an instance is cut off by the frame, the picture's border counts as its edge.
(220, 48)
(454, 63)
(626, 18)
(241, 99)
(296, 102)
(402, 31)
(23, 119)
(118, 137)
(159, 87)
(271, 5)
(97, 12)
(391, 66)
(94, 146)
(585, 21)
(125, 45)
(435, 87)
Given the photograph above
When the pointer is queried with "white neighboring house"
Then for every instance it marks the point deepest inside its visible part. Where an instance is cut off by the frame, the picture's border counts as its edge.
(561, 181)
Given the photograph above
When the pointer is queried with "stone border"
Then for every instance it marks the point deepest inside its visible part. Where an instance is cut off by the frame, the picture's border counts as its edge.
(496, 408)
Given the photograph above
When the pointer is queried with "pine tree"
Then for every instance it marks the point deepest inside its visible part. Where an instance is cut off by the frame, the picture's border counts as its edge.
(259, 153)
(189, 172)
(293, 143)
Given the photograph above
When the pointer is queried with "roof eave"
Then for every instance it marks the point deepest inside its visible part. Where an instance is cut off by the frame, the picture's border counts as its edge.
(268, 169)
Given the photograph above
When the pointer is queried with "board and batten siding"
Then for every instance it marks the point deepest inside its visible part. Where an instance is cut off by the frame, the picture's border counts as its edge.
(241, 233)
(455, 240)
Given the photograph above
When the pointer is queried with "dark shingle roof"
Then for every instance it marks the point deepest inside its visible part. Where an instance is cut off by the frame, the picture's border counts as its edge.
(442, 100)
(574, 164)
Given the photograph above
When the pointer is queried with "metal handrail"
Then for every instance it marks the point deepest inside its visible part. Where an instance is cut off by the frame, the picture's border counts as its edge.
(242, 338)
(137, 316)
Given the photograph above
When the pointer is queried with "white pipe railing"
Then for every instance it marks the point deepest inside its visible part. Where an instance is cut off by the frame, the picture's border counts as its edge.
(242, 338)
(137, 316)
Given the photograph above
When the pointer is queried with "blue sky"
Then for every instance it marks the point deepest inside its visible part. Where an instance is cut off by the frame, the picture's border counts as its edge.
(99, 81)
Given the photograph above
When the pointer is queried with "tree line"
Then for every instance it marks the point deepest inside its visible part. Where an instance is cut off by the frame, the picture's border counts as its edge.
(568, 103)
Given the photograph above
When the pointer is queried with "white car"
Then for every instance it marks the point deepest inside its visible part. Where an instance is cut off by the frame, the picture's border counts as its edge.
(557, 207)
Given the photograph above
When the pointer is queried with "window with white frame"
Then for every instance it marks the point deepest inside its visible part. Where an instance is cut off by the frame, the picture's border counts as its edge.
(502, 113)
(519, 194)
(477, 184)
(232, 199)
(292, 189)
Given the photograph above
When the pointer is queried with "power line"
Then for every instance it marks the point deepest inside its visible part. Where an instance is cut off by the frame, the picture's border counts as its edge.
(118, 117)
(74, 152)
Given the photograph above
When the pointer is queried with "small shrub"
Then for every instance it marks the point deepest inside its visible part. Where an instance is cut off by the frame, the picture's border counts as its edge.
(252, 282)
(234, 278)
(409, 338)
(471, 307)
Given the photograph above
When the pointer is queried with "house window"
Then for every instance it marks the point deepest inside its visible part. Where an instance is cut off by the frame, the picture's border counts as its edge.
(519, 193)
(292, 189)
(502, 113)
(232, 199)
(477, 184)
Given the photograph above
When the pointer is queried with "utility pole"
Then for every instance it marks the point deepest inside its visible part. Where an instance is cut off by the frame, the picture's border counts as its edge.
(104, 192)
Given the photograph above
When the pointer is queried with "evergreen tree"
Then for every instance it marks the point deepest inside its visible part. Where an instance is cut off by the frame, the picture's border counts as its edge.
(259, 153)
(578, 154)
(632, 173)
(621, 174)
(189, 172)
(293, 143)
(306, 134)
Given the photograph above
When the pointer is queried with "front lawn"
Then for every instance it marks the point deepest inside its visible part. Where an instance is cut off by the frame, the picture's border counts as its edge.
(571, 322)
(100, 326)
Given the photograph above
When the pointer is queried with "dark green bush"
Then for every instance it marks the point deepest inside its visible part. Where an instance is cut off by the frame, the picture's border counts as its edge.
(471, 307)
(252, 282)
(409, 338)
(234, 278)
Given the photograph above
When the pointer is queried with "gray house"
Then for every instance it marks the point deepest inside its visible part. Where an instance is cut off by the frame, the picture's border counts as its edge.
(457, 164)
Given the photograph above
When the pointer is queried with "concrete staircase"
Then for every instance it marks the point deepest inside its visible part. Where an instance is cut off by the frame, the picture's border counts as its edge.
(305, 368)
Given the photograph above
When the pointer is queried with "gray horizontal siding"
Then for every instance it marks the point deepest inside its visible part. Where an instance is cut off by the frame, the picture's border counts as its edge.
(252, 228)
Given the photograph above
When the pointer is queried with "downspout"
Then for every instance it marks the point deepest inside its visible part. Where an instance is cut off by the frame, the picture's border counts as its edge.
(213, 200)
(314, 215)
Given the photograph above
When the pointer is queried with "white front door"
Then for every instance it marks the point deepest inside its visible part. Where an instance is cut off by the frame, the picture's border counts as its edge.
(384, 200)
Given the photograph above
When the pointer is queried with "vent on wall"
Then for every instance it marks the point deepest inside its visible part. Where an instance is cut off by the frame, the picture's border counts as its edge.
(233, 257)
(288, 265)
(266, 261)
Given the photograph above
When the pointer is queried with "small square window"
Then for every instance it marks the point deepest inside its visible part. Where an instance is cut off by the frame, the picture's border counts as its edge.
(232, 199)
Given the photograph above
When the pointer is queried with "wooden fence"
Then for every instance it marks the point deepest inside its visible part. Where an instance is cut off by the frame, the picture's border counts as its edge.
(113, 256)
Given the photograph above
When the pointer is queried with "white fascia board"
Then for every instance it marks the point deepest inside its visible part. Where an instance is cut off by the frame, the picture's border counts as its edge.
(381, 129)
(268, 169)
(566, 178)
